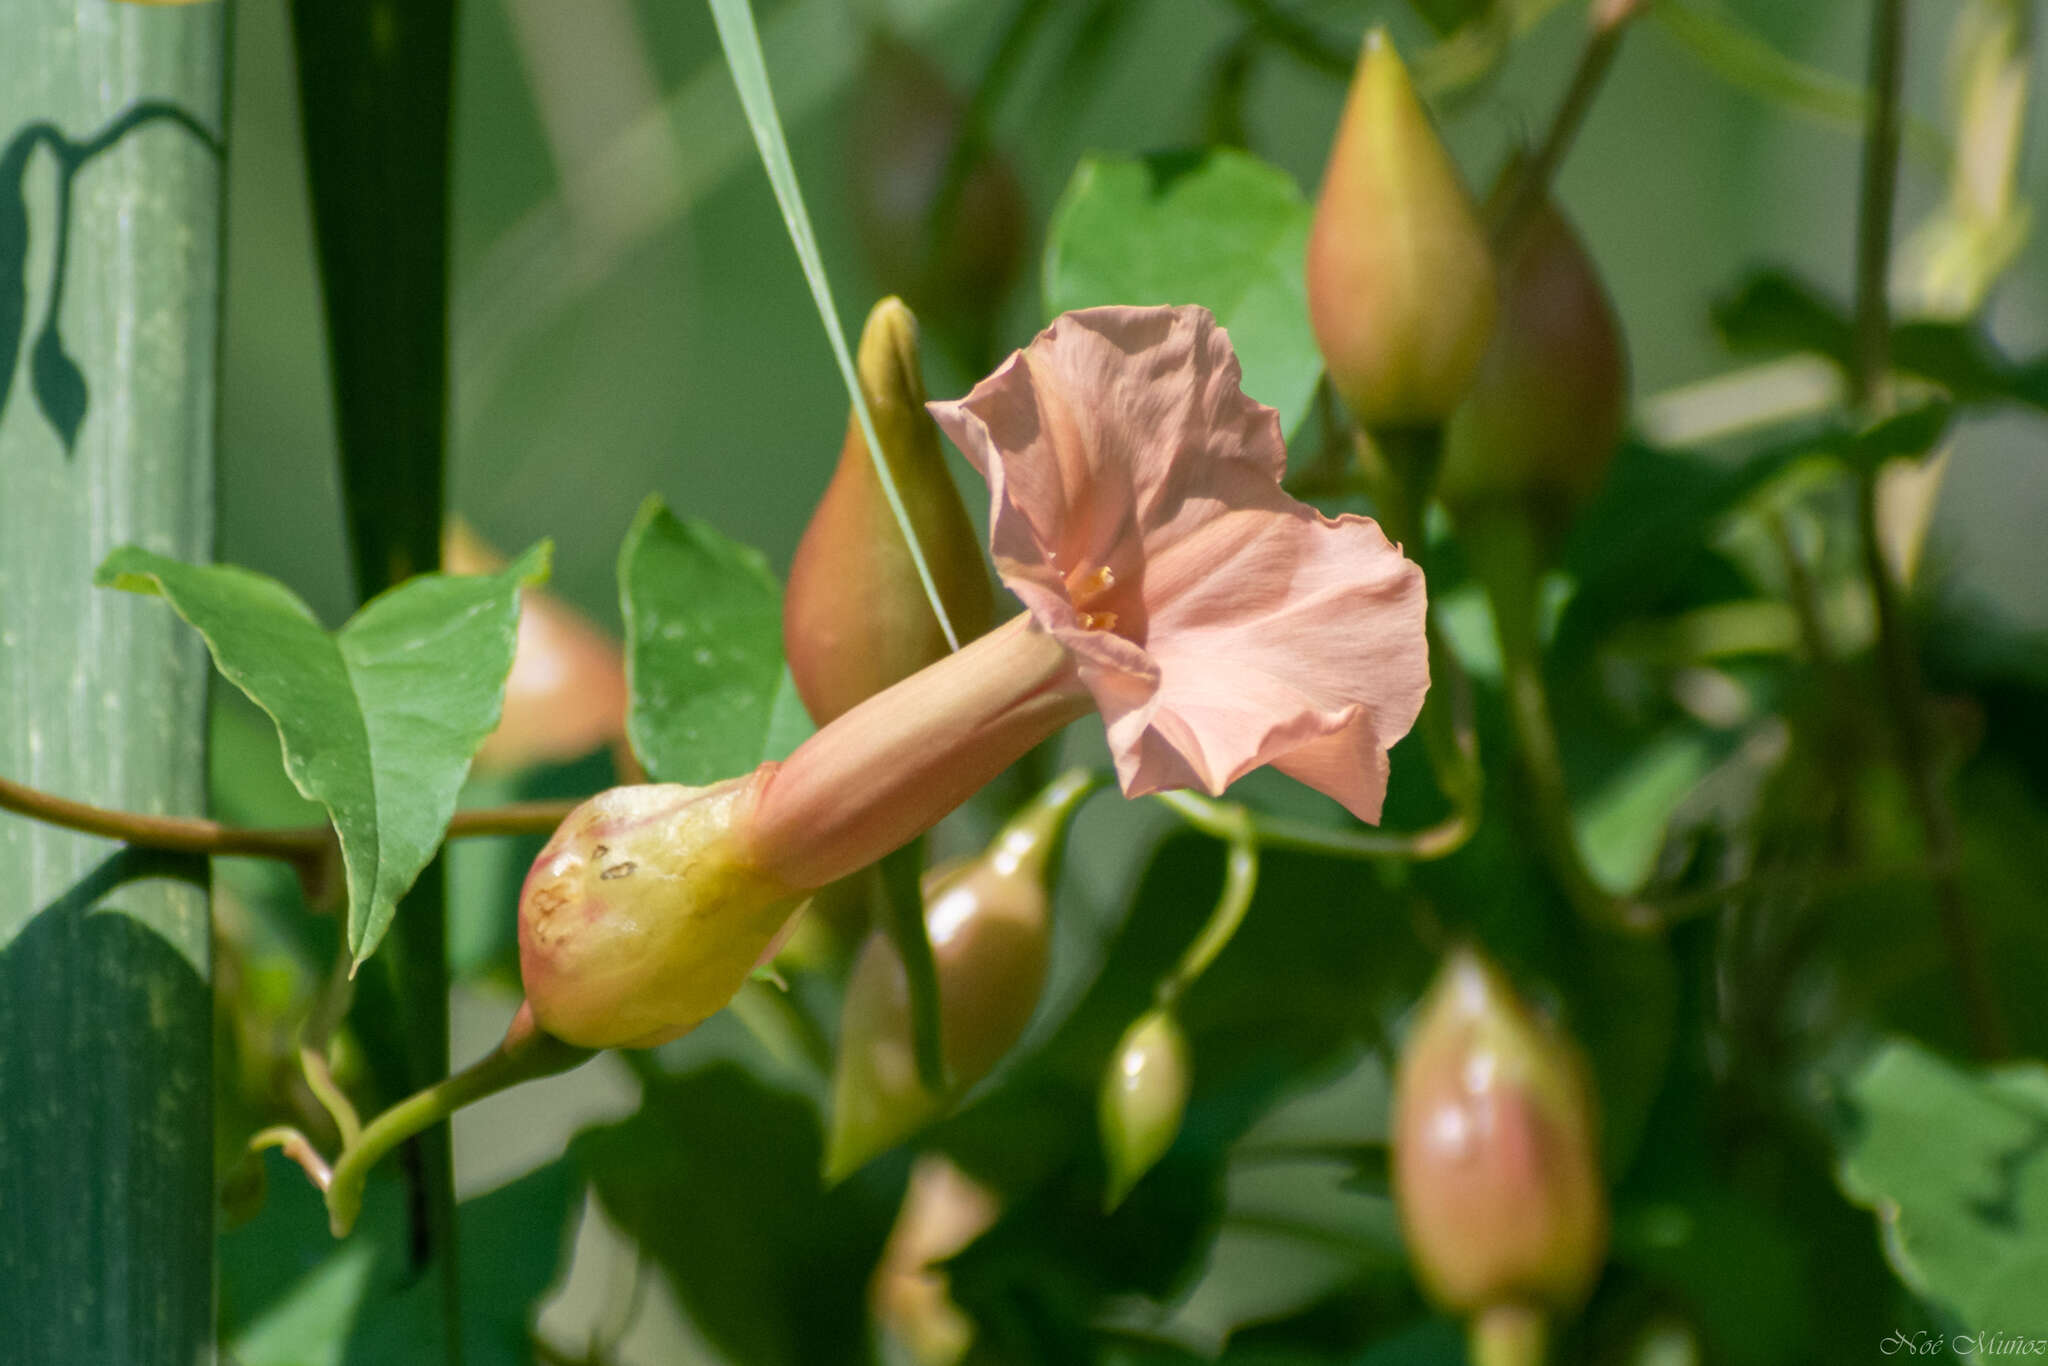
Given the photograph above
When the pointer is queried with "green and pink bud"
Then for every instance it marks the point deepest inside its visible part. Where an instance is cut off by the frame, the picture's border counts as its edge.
(989, 920)
(643, 915)
(855, 618)
(1400, 279)
(1495, 1157)
(1539, 428)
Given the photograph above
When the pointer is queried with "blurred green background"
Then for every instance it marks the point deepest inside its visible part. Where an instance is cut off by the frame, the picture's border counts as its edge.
(628, 318)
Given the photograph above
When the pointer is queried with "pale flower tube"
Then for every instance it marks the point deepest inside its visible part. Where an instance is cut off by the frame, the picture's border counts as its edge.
(1171, 584)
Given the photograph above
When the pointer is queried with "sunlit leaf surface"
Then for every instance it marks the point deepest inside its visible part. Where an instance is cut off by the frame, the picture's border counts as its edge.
(379, 719)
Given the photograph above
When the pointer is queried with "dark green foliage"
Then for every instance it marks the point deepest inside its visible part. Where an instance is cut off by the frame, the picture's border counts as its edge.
(288, 1300)
(717, 1179)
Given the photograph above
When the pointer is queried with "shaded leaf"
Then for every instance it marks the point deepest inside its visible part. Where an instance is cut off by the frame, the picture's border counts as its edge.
(1298, 1225)
(1772, 311)
(1641, 542)
(703, 621)
(1956, 1165)
(1219, 228)
(293, 1296)
(379, 719)
(717, 1178)
(1740, 1264)
(1056, 1271)
(1622, 823)
(58, 384)
(13, 257)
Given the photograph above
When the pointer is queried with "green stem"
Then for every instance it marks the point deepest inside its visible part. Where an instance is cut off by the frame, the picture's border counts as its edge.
(1240, 881)
(1401, 466)
(900, 875)
(1508, 1335)
(305, 847)
(525, 1055)
(174, 834)
(1906, 699)
(1872, 333)
(1507, 557)
(1532, 185)
(1217, 819)
(1869, 390)
(780, 1025)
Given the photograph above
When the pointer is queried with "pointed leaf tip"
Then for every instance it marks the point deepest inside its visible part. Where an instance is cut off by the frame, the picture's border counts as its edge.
(378, 720)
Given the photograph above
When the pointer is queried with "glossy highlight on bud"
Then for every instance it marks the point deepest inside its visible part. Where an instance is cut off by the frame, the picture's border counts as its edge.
(1400, 281)
(989, 920)
(1545, 411)
(1495, 1162)
(855, 618)
(641, 917)
(1144, 1096)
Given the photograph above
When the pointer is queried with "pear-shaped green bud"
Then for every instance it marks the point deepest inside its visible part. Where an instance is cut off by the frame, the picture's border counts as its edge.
(1400, 281)
(642, 917)
(1144, 1095)
(989, 920)
(856, 618)
(1540, 425)
(1496, 1169)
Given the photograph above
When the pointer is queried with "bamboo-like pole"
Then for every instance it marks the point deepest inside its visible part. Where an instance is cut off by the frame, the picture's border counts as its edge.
(110, 197)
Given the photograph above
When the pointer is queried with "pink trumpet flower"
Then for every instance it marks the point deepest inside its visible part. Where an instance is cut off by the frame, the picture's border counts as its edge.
(1216, 623)
(1135, 506)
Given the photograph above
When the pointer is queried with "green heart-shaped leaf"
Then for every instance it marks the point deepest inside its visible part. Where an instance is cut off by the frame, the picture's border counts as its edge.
(711, 697)
(379, 720)
(1221, 229)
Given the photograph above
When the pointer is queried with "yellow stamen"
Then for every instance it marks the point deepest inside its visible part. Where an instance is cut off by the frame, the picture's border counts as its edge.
(1092, 587)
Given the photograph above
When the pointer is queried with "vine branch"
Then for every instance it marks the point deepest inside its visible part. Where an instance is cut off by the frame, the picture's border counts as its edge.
(1869, 391)
(1610, 20)
(305, 847)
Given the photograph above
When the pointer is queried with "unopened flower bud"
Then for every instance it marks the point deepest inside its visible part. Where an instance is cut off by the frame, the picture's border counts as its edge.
(566, 694)
(1144, 1096)
(642, 916)
(944, 1210)
(989, 921)
(1496, 1172)
(1540, 425)
(856, 618)
(1400, 281)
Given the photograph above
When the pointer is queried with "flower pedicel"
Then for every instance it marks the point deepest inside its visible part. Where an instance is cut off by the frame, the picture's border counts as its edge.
(1216, 623)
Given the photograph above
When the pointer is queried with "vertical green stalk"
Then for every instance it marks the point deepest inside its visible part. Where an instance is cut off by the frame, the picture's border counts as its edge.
(1506, 556)
(1401, 465)
(110, 185)
(375, 79)
(1897, 653)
